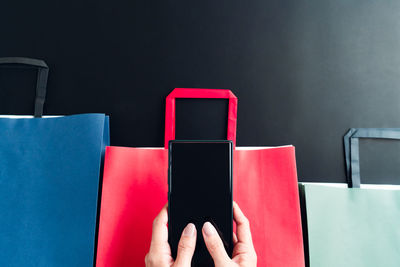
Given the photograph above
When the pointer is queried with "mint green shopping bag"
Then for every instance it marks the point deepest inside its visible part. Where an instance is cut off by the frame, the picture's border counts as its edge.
(352, 227)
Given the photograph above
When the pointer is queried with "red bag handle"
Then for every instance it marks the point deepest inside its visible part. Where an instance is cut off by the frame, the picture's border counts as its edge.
(199, 93)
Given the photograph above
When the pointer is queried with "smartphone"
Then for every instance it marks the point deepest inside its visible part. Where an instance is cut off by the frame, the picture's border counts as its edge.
(200, 190)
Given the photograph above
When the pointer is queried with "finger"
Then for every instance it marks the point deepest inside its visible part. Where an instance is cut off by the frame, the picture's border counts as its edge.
(235, 240)
(160, 229)
(242, 225)
(186, 246)
(214, 245)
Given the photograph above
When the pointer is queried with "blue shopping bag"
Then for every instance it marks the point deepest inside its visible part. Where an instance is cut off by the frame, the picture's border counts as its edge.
(49, 185)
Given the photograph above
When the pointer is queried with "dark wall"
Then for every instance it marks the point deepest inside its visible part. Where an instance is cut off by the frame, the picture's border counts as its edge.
(304, 71)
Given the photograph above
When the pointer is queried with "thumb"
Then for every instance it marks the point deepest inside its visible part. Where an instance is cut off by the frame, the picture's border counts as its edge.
(214, 245)
(186, 246)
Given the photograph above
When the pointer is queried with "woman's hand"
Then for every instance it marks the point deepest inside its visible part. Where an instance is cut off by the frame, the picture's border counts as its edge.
(244, 254)
(160, 255)
(160, 251)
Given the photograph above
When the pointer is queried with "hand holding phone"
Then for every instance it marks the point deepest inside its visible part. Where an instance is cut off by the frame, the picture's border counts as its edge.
(160, 255)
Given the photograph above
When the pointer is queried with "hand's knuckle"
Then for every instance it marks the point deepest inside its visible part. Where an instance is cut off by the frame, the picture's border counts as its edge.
(151, 260)
(147, 259)
(184, 246)
(214, 245)
(254, 256)
(155, 222)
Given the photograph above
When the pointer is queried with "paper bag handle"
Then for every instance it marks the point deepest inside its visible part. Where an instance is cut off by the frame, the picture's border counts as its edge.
(43, 72)
(199, 93)
(352, 153)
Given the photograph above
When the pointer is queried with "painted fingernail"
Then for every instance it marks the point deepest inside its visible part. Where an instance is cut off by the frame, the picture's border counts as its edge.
(189, 230)
(209, 229)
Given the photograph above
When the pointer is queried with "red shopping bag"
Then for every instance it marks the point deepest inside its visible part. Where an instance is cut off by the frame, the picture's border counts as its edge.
(135, 189)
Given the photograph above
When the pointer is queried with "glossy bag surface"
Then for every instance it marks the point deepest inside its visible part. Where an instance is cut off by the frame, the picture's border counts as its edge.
(135, 188)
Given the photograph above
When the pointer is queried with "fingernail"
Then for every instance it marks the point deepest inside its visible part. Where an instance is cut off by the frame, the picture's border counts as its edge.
(189, 230)
(209, 229)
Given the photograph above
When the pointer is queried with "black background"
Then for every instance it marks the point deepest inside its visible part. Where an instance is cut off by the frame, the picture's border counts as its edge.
(304, 71)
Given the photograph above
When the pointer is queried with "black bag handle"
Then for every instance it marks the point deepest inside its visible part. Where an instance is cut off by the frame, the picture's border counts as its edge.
(352, 153)
(43, 72)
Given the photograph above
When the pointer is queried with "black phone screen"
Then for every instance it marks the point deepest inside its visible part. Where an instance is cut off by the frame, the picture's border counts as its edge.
(200, 190)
